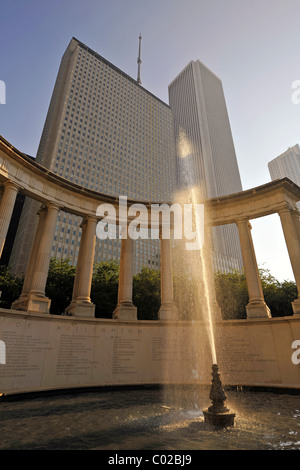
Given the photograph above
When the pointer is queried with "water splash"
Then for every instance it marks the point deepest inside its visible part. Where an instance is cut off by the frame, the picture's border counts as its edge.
(204, 268)
(201, 262)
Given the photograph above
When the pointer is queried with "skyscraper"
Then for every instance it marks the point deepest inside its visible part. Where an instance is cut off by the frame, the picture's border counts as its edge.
(105, 132)
(286, 165)
(200, 117)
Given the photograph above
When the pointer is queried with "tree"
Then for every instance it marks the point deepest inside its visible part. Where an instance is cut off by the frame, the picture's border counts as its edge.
(146, 293)
(10, 287)
(231, 294)
(104, 291)
(278, 296)
(231, 291)
(186, 296)
(59, 286)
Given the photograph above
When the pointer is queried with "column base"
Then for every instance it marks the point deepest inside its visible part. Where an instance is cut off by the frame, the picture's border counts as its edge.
(168, 311)
(216, 311)
(258, 309)
(125, 311)
(32, 303)
(80, 308)
(296, 307)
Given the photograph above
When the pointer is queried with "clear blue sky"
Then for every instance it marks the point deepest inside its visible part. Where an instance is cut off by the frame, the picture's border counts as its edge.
(252, 45)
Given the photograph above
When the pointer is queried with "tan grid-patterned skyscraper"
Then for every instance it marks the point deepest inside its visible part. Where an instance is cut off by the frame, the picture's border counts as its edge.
(103, 131)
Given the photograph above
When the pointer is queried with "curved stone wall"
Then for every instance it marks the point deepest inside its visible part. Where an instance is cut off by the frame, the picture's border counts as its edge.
(41, 351)
(48, 352)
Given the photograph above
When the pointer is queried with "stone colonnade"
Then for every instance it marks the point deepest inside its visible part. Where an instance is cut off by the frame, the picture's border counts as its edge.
(33, 298)
(289, 217)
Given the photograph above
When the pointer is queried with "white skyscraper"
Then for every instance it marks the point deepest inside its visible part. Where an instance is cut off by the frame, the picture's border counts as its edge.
(199, 110)
(286, 165)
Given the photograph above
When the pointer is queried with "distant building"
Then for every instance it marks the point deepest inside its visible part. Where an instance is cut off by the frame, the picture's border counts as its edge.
(105, 132)
(13, 227)
(286, 165)
(205, 144)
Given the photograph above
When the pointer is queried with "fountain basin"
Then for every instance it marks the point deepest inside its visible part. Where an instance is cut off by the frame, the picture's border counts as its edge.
(148, 418)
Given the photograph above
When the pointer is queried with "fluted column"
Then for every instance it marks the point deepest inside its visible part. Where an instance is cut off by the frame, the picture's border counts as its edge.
(290, 228)
(296, 220)
(168, 310)
(256, 306)
(81, 304)
(21, 303)
(6, 209)
(125, 309)
(39, 278)
(35, 299)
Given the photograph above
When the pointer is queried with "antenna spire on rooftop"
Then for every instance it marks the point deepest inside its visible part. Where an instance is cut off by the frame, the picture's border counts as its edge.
(139, 61)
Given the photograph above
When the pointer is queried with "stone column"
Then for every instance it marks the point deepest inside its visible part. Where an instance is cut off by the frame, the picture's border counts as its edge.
(81, 304)
(6, 209)
(21, 302)
(296, 220)
(35, 300)
(290, 230)
(256, 307)
(168, 310)
(125, 309)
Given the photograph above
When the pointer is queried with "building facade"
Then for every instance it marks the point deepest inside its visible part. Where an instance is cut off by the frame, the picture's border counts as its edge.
(205, 150)
(286, 165)
(105, 132)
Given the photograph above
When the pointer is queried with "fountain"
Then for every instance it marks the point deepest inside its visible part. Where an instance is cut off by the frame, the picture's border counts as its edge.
(218, 414)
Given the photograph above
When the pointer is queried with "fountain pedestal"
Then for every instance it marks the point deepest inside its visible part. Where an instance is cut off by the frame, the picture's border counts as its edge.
(218, 414)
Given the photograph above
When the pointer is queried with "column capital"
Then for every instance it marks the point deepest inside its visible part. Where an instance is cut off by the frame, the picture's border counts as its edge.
(42, 210)
(52, 205)
(88, 218)
(243, 221)
(295, 211)
(11, 184)
(83, 223)
(92, 217)
(285, 206)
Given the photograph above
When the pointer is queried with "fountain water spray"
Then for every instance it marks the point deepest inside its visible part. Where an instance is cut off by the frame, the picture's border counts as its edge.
(193, 191)
(217, 414)
(207, 295)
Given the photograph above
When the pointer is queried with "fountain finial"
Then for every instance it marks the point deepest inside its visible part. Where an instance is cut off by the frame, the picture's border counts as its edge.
(218, 414)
